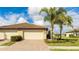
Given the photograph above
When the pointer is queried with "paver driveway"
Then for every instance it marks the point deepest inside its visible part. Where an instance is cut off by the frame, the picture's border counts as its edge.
(27, 45)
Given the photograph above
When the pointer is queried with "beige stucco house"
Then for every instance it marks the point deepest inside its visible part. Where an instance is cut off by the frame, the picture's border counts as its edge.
(73, 32)
(27, 31)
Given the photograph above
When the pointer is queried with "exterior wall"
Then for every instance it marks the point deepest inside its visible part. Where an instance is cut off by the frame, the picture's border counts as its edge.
(2, 35)
(9, 34)
(30, 34)
(35, 35)
(67, 34)
(20, 33)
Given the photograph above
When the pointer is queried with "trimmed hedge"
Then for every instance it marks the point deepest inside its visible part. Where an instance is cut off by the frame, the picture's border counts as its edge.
(16, 38)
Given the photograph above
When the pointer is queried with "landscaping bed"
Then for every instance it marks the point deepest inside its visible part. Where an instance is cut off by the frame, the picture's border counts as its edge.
(14, 39)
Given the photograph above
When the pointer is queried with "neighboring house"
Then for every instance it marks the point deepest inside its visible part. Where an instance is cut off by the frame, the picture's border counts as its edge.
(27, 31)
(73, 32)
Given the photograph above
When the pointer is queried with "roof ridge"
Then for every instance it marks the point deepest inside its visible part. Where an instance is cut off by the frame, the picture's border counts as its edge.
(27, 24)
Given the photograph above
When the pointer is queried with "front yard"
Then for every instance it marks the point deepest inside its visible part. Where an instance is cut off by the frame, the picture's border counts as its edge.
(66, 41)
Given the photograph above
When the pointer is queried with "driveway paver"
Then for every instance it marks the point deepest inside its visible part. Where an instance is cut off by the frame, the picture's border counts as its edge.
(27, 45)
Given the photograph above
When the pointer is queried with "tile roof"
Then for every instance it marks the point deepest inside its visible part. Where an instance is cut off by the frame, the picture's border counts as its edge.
(22, 26)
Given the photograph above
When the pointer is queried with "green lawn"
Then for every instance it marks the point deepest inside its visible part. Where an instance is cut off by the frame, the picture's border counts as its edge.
(65, 42)
(64, 49)
(7, 44)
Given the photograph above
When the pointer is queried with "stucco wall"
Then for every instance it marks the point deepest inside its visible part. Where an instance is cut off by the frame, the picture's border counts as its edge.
(9, 34)
(2, 35)
(67, 34)
(31, 34)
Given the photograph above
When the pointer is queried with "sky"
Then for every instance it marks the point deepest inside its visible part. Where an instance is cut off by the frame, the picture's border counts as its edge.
(15, 15)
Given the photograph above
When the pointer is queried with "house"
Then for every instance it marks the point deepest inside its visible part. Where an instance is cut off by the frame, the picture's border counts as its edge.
(74, 32)
(27, 31)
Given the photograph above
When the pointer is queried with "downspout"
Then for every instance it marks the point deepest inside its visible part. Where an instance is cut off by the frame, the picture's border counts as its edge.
(5, 38)
(23, 35)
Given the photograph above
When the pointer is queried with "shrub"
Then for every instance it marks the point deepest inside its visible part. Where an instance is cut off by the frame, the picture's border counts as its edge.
(16, 38)
(71, 35)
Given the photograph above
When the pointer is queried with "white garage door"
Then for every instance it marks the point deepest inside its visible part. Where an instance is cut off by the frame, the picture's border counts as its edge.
(34, 35)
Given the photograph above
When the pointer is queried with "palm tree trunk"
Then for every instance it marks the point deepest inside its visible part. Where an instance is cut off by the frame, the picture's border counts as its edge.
(51, 34)
(52, 27)
(61, 27)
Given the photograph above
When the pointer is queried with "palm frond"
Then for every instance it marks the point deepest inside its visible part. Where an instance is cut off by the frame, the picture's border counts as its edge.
(44, 10)
(61, 10)
(47, 18)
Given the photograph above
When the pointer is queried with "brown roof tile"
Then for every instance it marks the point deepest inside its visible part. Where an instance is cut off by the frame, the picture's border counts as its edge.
(22, 26)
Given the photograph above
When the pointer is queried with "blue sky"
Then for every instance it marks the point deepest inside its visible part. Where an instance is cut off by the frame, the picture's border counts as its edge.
(17, 12)
(14, 15)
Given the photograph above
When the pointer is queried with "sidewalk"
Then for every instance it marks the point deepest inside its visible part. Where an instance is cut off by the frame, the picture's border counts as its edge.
(63, 47)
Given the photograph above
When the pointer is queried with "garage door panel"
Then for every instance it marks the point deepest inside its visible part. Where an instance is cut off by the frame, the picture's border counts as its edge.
(34, 35)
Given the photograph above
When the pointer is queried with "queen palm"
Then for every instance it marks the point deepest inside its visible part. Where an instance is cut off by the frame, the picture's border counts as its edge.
(52, 16)
(67, 21)
(51, 13)
(63, 19)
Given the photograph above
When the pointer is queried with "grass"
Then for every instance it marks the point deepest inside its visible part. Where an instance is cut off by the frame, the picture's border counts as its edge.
(64, 49)
(64, 37)
(65, 42)
(62, 43)
(7, 44)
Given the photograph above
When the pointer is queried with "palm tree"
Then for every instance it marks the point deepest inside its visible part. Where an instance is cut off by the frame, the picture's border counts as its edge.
(61, 23)
(63, 19)
(51, 13)
(53, 16)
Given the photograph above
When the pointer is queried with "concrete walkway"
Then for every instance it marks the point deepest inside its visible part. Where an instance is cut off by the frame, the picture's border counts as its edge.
(27, 45)
(63, 47)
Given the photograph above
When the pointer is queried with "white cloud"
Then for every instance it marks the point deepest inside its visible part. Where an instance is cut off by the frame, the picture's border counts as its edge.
(75, 17)
(34, 10)
(22, 20)
(3, 21)
(37, 17)
(38, 22)
(34, 14)
(11, 19)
